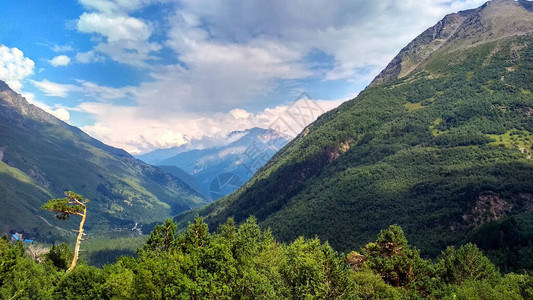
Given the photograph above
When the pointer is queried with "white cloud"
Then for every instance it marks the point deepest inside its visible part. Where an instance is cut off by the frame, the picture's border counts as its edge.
(126, 38)
(62, 48)
(115, 28)
(54, 89)
(60, 60)
(238, 113)
(89, 57)
(135, 53)
(62, 114)
(14, 67)
(103, 92)
(228, 61)
(357, 34)
(131, 129)
(90, 89)
(218, 75)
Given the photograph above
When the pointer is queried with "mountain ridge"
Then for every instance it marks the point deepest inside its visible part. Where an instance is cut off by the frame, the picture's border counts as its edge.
(42, 156)
(456, 26)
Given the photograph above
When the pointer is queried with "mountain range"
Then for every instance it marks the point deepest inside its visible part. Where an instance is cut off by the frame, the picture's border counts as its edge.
(41, 157)
(440, 143)
(221, 169)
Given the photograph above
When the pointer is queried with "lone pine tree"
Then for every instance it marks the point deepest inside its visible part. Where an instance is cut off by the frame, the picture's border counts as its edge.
(73, 204)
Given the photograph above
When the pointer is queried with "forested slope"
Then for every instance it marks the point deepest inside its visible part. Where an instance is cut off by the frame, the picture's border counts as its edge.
(444, 150)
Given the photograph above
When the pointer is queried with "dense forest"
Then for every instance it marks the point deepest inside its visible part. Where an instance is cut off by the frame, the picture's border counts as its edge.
(244, 262)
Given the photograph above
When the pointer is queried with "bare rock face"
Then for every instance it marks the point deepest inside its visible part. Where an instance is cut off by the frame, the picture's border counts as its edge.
(420, 48)
(12, 100)
(495, 20)
(39, 177)
(490, 208)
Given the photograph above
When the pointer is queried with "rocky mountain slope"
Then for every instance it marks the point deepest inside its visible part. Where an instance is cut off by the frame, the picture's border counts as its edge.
(440, 143)
(41, 157)
(459, 31)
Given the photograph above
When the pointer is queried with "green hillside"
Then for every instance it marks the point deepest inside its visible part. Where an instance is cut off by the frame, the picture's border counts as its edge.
(441, 145)
(41, 157)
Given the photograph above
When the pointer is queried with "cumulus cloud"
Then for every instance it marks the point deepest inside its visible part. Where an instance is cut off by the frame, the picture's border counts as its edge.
(62, 114)
(129, 128)
(14, 67)
(115, 28)
(60, 60)
(125, 38)
(233, 51)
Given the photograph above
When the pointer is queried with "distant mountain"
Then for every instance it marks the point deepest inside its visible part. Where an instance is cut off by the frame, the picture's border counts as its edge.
(157, 156)
(183, 176)
(220, 170)
(440, 143)
(41, 157)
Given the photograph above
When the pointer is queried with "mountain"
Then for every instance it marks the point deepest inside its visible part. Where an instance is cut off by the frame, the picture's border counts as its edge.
(183, 176)
(155, 157)
(41, 157)
(440, 143)
(221, 170)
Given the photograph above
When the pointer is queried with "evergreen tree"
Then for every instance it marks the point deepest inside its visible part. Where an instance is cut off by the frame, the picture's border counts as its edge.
(73, 204)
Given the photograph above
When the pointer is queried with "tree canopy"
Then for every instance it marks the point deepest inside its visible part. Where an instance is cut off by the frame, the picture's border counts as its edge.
(245, 262)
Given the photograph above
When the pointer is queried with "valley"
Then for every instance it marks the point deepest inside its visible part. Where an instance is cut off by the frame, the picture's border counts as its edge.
(418, 187)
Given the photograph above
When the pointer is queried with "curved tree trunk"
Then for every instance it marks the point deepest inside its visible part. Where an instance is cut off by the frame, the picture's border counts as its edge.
(78, 241)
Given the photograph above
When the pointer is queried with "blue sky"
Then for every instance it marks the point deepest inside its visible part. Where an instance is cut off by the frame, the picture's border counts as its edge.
(146, 74)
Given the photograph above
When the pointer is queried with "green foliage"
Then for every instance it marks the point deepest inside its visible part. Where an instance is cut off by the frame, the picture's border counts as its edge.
(161, 238)
(466, 263)
(60, 256)
(101, 250)
(244, 262)
(396, 262)
(314, 270)
(70, 205)
(84, 282)
(507, 242)
(369, 285)
(20, 276)
(8, 256)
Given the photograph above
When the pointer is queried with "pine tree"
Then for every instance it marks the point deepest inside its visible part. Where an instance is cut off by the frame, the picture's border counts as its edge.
(73, 204)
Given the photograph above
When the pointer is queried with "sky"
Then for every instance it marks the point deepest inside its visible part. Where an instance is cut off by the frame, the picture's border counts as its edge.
(148, 74)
